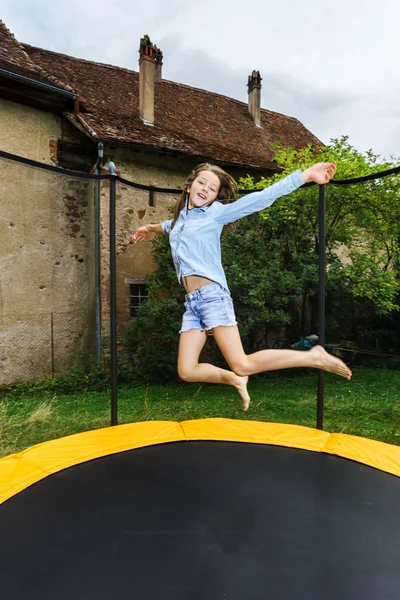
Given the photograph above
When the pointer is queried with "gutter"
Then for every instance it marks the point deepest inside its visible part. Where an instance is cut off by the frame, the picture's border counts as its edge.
(38, 84)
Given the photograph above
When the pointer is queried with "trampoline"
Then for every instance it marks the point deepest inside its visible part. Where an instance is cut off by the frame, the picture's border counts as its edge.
(201, 510)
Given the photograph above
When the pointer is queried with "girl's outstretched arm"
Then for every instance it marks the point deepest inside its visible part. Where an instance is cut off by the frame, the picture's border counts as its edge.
(143, 232)
(227, 213)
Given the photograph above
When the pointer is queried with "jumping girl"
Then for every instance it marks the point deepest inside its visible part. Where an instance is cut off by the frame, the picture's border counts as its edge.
(194, 236)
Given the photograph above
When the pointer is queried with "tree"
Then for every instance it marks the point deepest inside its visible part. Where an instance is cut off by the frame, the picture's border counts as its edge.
(362, 232)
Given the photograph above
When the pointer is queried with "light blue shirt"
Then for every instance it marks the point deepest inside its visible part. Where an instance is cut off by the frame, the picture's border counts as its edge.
(195, 237)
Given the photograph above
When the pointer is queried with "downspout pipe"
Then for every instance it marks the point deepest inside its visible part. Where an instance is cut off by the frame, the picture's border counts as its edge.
(97, 252)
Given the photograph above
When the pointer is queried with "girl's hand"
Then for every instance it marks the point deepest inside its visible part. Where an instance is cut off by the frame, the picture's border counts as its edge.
(140, 234)
(320, 172)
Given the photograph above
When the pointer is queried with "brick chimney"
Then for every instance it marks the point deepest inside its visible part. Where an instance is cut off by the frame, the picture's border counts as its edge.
(254, 91)
(158, 55)
(147, 74)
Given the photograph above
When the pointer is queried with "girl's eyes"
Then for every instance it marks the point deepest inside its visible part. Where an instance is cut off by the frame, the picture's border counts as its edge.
(213, 189)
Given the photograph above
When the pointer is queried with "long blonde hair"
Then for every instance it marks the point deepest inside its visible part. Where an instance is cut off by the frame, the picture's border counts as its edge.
(227, 191)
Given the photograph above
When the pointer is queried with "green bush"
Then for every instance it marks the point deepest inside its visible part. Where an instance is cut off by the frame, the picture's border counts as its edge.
(86, 376)
(151, 340)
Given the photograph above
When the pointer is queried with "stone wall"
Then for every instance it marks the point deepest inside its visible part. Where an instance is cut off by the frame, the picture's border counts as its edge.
(46, 253)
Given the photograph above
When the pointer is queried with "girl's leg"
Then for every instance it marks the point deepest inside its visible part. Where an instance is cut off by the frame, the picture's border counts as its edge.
(189, 369)
(230, 344)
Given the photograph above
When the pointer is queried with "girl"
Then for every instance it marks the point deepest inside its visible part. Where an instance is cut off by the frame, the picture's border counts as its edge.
(194, 235)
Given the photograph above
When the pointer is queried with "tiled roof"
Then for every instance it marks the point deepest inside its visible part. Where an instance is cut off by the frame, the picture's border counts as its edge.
(13, 58)
(188, 120)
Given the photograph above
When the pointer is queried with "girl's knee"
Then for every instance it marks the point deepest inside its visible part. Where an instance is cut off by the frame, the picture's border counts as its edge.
(242, 368)
(185, 374)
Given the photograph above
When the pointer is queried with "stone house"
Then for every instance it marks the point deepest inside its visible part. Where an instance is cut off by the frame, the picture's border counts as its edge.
(56, 109)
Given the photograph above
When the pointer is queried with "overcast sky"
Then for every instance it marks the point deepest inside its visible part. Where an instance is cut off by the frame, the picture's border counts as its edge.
(332, 65)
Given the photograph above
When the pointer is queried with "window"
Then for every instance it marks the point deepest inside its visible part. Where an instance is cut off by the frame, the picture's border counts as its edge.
(138, 294)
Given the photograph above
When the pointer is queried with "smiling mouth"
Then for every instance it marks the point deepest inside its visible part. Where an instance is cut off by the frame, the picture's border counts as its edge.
(202, 197)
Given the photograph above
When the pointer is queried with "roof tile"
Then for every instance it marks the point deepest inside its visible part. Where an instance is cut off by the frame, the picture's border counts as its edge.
(14, 58)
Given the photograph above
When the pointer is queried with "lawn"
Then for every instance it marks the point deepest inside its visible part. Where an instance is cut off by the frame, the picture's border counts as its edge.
(368, 405)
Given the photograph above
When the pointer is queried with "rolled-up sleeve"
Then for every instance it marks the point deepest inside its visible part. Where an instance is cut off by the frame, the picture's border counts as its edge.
(256, 201)
(166, 226)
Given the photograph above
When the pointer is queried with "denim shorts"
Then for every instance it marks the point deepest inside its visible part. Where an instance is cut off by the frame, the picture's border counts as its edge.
(208, 307)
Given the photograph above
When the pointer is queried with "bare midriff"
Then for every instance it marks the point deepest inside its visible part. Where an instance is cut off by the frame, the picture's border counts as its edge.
(194, 282)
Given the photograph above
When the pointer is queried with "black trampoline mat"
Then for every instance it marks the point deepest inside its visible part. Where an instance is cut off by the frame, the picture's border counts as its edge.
(205, 521)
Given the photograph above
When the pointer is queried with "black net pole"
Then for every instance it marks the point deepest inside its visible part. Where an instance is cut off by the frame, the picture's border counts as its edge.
(113, 299)
(321, 301)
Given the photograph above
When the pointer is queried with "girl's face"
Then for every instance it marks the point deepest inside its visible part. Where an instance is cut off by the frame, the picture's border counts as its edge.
(204, 189)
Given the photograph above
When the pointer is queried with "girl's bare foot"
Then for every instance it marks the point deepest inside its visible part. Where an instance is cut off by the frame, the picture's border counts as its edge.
(241, 386)
(325, 361)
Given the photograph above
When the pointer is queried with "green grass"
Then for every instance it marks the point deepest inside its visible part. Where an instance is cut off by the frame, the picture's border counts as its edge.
(369, 406)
